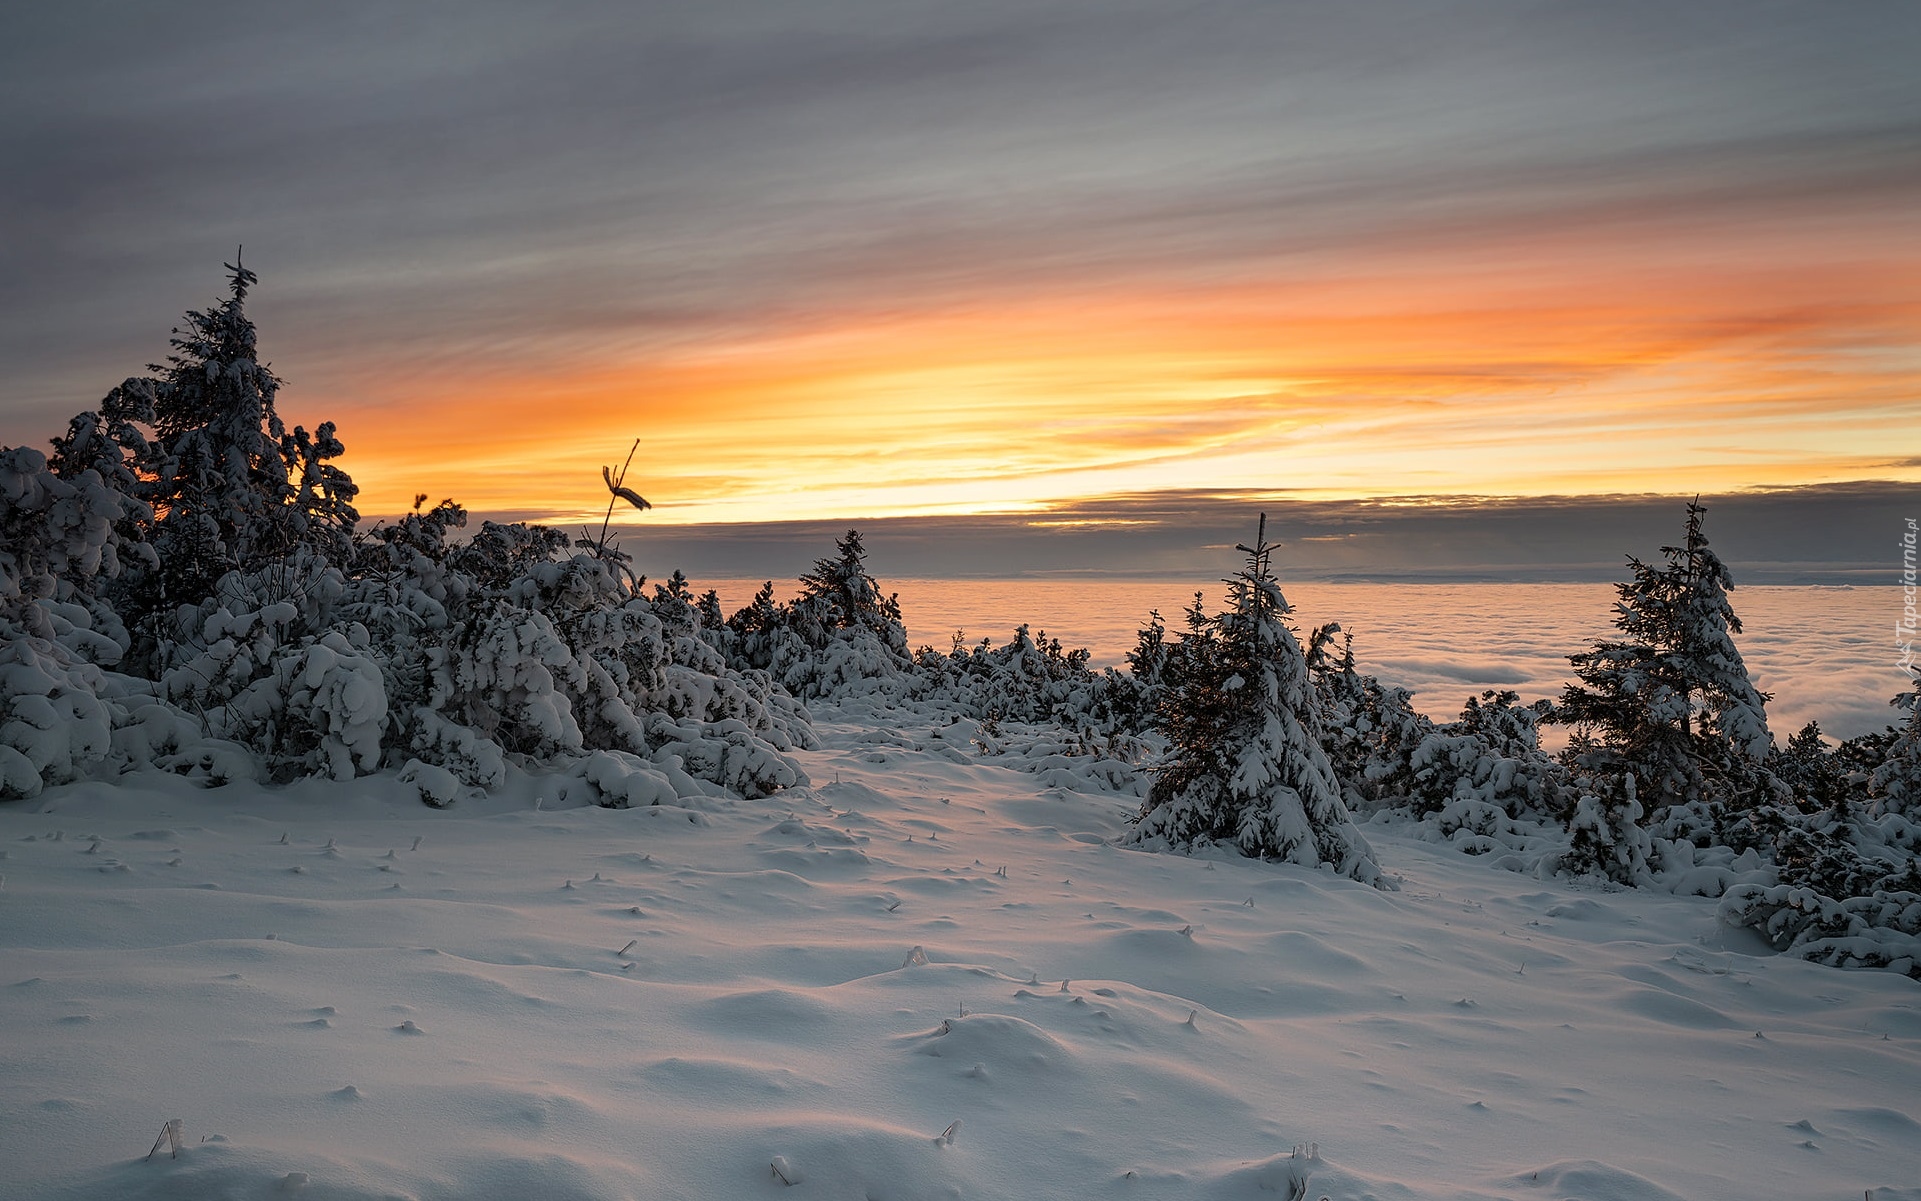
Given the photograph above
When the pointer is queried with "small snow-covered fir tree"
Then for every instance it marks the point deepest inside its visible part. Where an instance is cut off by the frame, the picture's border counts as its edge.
(1245, 764)
(1671, 700)
(756, 628)
(840, 636)
(1895, 785)
(839, 594)
(1370, 731)
(1816, 777)
(1605, 835)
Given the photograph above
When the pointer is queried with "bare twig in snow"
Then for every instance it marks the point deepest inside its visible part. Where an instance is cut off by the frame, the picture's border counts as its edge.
(170, 1135)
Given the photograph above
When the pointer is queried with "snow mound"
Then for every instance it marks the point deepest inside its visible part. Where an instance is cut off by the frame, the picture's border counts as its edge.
(216, 1171)
(1591, 1181)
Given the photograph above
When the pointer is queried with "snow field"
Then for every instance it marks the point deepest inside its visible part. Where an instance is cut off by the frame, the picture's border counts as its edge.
(924, 976)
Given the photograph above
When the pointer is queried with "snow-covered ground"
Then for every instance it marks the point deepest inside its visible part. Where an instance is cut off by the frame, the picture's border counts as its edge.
(925, 975)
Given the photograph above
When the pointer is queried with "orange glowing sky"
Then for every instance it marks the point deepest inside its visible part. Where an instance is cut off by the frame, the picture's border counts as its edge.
(870, 259)
(1579, 366)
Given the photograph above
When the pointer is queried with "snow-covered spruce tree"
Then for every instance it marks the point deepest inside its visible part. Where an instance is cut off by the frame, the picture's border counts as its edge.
(839, 594)
(231, 487)
(1127, 700)
(756, 629)
(841, 636)
(1244, 764)
(216, 537)
(1670, 701)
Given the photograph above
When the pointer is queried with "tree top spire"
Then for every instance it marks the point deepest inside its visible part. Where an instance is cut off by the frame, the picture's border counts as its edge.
(240, 278)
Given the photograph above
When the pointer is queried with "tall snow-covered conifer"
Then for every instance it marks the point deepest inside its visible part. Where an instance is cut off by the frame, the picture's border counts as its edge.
(1671, 701)
(230, 486)
(1245, 764)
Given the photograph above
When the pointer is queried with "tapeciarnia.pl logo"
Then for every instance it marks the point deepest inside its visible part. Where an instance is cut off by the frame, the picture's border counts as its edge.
(1904, 627)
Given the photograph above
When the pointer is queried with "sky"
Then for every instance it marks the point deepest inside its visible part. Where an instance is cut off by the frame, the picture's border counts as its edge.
(879, 259)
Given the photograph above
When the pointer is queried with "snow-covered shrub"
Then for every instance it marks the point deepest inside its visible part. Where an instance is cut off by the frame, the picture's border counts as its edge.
(207, 655)
(510, 646)
(472, 757)
(1815, 778)
(1490, 759)
(1481, 783)
(1077, 759)
(57, 536)
(87, 629)
(438, 787)
(54, 725)
(1244, 764)
(258, 635)
(154, 735)
(725, 752)
(561, 656)
(1881, 929)
(497, 677)
(842, 663)
(1605, 834)
(841, 637)
(260, 664)
(615, 780)
(1846, 886)
(1370, 732)
(321, 712)
(1030, 679)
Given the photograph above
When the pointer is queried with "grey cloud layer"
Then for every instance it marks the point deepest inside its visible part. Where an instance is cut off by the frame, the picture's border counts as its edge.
(1833, 534)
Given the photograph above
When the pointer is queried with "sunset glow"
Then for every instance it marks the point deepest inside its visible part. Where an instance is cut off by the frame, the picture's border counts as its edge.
(1592, 367)
(843, 261)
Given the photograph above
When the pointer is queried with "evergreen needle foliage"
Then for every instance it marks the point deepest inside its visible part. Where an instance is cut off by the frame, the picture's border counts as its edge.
(1245, 764)
(1670, 701)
